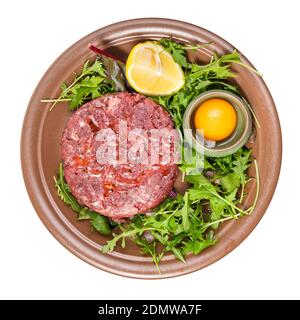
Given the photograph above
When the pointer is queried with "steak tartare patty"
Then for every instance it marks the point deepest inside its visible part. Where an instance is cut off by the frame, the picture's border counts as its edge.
(117, 190)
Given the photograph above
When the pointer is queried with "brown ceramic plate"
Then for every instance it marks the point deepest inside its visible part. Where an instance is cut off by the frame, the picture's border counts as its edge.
(40, 150)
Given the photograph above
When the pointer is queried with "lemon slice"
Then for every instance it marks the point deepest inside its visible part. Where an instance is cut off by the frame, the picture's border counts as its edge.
(151, 70)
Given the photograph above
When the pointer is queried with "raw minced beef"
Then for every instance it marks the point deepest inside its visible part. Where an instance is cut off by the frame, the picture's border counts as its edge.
(116, 189)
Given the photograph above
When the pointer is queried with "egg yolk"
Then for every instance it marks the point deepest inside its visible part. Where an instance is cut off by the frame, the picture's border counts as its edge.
(217, 118)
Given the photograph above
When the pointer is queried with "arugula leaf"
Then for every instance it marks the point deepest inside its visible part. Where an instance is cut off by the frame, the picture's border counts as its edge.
(224, 163)
(177, 253)
(92, 82)
(176, 50)
(100, 223)
(84, 214)
(231, 181)
(241, 163)
(195, 247)
(149, 248)
(110, 245)
(64, 193)
(203, 189)
(96, 67)
(185, 213)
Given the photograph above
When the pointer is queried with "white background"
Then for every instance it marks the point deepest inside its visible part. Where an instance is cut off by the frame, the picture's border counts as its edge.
(34, 265)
